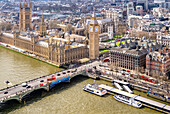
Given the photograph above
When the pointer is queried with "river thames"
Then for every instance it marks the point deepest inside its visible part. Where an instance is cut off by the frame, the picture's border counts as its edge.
(66, 98)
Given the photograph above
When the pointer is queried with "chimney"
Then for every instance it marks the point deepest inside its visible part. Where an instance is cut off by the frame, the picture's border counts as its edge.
(160, 51)
(164, 49)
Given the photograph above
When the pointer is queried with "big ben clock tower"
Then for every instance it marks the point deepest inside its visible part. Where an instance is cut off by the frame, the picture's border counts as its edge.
(93, 38)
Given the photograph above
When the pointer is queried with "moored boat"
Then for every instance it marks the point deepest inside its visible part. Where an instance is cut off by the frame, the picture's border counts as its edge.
(129, 101)
(94, 89)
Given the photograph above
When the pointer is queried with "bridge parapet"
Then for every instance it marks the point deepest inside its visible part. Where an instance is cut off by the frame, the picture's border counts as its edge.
(18, 92)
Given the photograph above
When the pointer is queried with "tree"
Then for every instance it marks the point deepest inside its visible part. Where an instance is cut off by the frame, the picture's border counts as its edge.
(121, 28)
(153, 35)
(69, 28)
(5, 26)
(53, 24)
(142, 70)
(143, 33)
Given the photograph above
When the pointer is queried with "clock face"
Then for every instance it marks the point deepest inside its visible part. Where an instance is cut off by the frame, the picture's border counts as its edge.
(91, 28)
(96, 29)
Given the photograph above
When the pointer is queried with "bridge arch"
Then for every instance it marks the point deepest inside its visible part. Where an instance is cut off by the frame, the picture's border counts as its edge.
(15, 99)
(30, 93)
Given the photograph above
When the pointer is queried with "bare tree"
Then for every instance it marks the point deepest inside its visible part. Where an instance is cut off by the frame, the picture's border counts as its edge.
(5, 26)
(69, 28)
(53, 24)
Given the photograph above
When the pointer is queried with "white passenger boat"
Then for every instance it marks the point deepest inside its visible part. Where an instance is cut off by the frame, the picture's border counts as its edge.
(93, 88)
(129, 101)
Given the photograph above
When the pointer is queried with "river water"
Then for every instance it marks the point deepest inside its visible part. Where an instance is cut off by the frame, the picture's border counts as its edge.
(66, 98)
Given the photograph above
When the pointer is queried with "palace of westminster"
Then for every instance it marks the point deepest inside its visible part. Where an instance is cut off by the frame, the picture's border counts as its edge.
(57, 50)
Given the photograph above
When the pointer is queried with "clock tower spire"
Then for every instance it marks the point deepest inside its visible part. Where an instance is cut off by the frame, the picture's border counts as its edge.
(93, 37)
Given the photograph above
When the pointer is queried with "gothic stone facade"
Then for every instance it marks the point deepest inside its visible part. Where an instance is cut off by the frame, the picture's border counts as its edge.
(25, 17)
(56, 51)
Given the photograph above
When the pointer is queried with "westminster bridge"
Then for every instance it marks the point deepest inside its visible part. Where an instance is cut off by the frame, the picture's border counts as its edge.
(20, 91)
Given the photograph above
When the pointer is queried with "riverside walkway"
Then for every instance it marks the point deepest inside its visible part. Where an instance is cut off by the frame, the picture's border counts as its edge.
(18, 91)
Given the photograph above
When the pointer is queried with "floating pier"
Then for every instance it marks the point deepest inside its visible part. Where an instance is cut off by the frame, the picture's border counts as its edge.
(146, 102)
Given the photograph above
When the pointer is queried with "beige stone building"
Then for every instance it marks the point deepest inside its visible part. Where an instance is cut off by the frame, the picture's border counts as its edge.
(93, 38)
(163, 39)
(25, 16)
(57, 50)
(42, 27)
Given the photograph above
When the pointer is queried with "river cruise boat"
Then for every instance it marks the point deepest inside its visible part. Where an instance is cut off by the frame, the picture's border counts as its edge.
(94, 89)
(129, 101)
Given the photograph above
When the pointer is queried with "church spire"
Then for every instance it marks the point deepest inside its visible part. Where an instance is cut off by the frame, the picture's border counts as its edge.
(93, 18)
(42, 27)
(93, 15)
(42, 20)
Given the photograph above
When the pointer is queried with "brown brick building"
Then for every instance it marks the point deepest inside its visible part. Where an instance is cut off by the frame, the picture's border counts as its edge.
(132, 55)
(158, 62)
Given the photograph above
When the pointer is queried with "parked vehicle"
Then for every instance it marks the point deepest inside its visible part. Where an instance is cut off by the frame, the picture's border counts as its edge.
(122, 39)
(126, 73)
(127, 70)
(123, 70)
(105, 60)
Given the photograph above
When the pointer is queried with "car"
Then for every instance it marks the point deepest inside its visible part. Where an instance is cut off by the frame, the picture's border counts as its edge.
(123, 70)
(68, 71)
(58, 74)
(24, 84)
(123, 73)
(94, 67)
(28, 86)
(41, 80)
(126, 73)
(107, 69)
(64, 72)
(128, 70)
(6, 92)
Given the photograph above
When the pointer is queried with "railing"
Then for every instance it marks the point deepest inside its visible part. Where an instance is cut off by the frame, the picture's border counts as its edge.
(34, 87)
